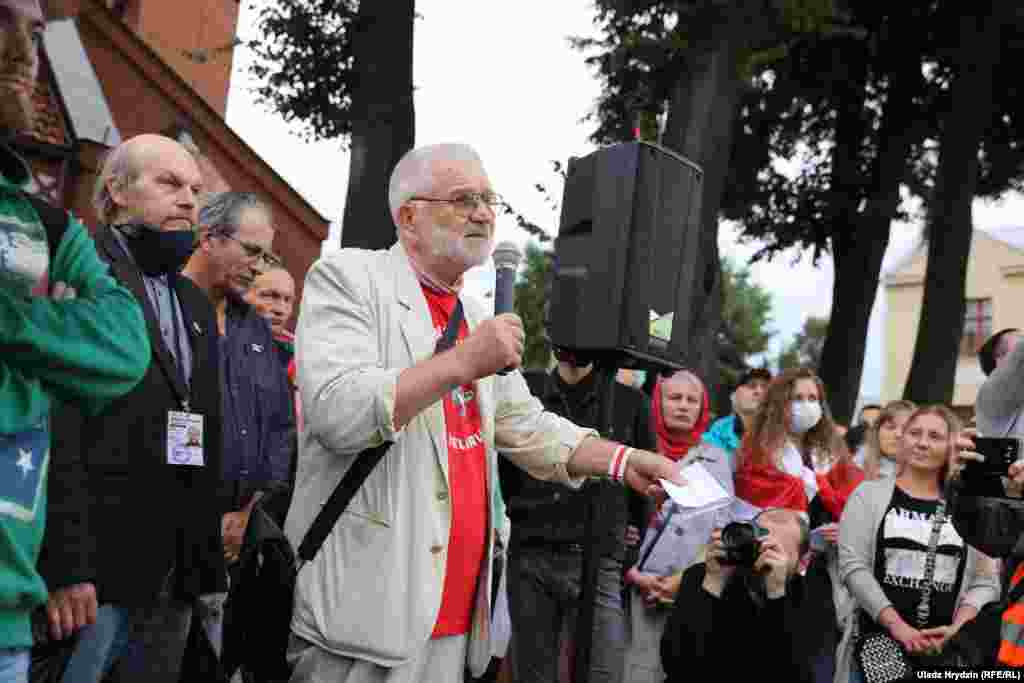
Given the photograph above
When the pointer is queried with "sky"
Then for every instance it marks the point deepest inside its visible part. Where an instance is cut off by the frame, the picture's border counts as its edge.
(503, 77)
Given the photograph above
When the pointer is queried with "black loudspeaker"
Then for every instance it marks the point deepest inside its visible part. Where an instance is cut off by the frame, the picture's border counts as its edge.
(626, 252)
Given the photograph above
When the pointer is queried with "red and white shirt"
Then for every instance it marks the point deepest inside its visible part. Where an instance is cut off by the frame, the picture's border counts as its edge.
(467, 477)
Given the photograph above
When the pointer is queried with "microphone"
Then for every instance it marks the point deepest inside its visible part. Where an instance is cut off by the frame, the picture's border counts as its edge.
(506, 262)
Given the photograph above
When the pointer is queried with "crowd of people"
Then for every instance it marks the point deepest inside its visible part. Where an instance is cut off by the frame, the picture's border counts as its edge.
(154, 402)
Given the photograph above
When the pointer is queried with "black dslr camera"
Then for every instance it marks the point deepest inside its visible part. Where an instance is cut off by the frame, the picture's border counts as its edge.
(742, 543)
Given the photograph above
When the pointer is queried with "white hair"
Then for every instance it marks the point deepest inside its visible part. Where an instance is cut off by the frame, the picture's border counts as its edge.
(119, 168)
(413, 173)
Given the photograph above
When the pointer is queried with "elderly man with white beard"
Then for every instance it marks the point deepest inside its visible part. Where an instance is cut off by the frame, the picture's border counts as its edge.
(400, 590)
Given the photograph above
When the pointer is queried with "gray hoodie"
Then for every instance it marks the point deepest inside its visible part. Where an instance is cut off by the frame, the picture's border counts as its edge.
(1001, 398)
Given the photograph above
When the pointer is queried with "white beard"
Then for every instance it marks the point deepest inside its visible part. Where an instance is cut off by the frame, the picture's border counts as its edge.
(465, 252)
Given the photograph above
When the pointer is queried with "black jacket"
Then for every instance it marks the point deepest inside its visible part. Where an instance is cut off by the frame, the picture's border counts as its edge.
(991, 523)
(544, 512)
(119, 515)
(734, 639)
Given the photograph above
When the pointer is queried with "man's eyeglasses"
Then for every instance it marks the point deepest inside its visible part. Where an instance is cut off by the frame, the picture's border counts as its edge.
(467, 203)
(255, 251)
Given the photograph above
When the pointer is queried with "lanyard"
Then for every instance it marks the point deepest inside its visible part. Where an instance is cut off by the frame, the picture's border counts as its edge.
(176, 324)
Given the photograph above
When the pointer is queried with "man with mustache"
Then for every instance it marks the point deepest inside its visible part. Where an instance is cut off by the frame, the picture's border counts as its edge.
(236, 234)
(272, 294)
(401, 589)
(69, 334)
(145, 528)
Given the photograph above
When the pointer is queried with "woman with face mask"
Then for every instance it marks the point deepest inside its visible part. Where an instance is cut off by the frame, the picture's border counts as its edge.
(792, 441)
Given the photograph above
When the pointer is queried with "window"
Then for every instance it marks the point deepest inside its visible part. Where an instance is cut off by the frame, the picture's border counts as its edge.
(977, 326)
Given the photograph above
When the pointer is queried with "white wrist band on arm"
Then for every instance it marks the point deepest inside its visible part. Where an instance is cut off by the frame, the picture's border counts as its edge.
(613, 464)
(623, 463)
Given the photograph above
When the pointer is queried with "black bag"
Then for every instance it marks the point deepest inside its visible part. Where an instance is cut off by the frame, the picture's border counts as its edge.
(259, 602)
(258, 613)
(882, 658)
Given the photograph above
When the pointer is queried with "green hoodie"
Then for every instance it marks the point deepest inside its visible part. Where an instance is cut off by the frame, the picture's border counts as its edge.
(88, 350)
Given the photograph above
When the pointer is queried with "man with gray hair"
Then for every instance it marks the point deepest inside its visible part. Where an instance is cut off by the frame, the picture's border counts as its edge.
(236, 234)
(388, 355)
(147, 524)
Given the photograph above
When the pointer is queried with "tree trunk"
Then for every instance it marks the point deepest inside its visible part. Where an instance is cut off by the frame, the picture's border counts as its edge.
(702, 111)
(937, 347)
(383, 121)
(859, 247)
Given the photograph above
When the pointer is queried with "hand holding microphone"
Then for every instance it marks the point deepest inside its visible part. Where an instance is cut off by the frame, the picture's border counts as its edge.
(493, 345)
(506, 261)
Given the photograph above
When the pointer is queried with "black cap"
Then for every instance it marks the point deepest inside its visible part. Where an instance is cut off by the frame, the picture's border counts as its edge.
(754, 373)
(987, 352)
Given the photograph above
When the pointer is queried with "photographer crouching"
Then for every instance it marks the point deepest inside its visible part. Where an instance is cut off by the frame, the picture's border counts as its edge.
(738, 613)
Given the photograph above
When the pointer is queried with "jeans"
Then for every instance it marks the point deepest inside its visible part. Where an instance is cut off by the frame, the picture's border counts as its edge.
(141, 643)
(14, 664)
(543, 596)
(98, 646)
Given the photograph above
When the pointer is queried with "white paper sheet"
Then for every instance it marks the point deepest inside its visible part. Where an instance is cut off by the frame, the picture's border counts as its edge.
(701, 489)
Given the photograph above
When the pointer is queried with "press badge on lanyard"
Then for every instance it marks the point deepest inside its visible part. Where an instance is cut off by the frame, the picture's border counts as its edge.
(184, 428)
(184, 438)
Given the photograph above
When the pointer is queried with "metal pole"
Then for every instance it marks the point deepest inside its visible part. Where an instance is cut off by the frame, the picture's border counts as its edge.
(584, 637)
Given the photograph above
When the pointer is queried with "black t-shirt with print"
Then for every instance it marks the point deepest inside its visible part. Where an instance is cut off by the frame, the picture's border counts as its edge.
(902, 548)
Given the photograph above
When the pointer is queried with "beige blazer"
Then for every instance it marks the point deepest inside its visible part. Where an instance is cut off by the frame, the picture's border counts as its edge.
(374, 590)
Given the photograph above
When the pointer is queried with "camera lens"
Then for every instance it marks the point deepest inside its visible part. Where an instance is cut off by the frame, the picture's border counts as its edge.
(741, 543)
(737, 534)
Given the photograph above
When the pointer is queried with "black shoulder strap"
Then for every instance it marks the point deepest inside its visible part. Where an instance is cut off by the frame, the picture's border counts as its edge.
(365, 462)
(54, 220)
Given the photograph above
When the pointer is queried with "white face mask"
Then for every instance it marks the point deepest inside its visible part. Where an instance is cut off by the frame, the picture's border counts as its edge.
(805, 416)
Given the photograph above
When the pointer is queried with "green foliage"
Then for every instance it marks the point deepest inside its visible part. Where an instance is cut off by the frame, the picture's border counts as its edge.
(804, 351)
(646, 46)
(746, 318)
(304, 59)
(531, 293)
(806, 63)
(797, 117)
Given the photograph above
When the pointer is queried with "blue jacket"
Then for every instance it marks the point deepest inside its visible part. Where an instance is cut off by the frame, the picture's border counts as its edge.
(723, 435)
(259, 420)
